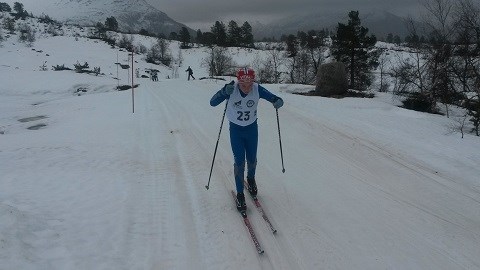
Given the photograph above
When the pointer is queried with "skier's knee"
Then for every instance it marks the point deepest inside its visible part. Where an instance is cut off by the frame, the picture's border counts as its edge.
(238, 168)
(251, 165)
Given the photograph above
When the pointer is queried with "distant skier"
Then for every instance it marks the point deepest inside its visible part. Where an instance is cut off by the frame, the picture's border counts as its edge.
(154, 75)
(190, 73)
(242, 98)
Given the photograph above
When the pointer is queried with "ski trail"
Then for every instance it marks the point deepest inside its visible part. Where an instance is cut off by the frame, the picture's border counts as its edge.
(158, 184)
(189, 191)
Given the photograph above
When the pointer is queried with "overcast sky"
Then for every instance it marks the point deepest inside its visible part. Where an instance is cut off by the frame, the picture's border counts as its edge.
(201, 14)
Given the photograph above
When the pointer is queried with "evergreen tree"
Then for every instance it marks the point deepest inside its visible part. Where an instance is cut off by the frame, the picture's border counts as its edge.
(390, 38)
(199, 37)
(144, 32)
(292, 45)
(20, 12)
(111, 24)
(234, 34)
(99, 31)
(4, 7)
(220, 33)
(302, 38)
(397, 40)
(208, 39)
(18, 7)
(247, 36)
(356, 50)
(185, 38)
(173, 36)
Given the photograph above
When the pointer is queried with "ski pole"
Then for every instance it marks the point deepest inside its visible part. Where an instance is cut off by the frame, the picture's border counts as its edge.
(280, 138)
(216, 146)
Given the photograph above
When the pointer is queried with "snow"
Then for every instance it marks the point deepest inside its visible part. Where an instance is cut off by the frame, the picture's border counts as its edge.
(368, 185)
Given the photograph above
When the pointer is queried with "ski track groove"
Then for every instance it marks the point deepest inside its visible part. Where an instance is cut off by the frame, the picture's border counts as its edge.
(421, 172)
(196, 204)
(424, 175)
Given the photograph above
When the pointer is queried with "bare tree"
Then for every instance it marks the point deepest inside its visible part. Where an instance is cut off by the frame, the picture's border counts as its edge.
(126, 42)
(159, 53)
(426, 75)
(382, 67)
(27, 34)
(304, 69)
(276, 59)
(218, 62)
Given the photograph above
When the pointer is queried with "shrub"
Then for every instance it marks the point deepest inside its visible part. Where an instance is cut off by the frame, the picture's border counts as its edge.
(419, 102)
(80, 68)
(62, 67)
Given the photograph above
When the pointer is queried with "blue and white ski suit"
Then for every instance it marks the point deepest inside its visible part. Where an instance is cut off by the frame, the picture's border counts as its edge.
(242, 115)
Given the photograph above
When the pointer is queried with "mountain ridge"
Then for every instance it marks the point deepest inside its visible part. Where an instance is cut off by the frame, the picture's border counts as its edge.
(379, 23)
(131, 15)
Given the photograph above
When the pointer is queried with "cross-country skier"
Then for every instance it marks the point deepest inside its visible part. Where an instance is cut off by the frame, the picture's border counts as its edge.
(190, 73)
(242, 98)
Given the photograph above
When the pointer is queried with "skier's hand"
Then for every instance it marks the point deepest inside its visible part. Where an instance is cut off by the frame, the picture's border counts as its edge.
(278, 103)
(228, 88)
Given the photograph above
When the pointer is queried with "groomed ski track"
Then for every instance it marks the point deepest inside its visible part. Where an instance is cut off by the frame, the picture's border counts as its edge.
(344, 202)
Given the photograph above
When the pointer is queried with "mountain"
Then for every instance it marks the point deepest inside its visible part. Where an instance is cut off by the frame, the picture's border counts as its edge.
(132, 15)
(379, 23)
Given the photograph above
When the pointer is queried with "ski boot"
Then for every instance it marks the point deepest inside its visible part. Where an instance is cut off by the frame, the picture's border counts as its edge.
(241, 205)
(252, 186)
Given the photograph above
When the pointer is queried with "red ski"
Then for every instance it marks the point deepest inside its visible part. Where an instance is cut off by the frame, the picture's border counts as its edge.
(260, 209)
(249, 227)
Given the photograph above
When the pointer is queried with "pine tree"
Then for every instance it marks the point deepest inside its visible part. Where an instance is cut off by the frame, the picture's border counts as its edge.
(18, 7)
(199, 38)
(4, 7)
(220, 33)
(208, 39)
(111, 24)
(292, 45)
(185, 38)
(234, 34)
(247, 36)
(356, 50)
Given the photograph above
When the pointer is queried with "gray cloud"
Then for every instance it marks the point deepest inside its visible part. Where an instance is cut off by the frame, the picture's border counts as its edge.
(204, 13)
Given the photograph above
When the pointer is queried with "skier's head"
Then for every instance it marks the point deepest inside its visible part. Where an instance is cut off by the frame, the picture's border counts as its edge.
(245, 75)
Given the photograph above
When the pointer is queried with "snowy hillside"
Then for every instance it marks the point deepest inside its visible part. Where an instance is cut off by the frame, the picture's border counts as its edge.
(132, 15)
(368, 185)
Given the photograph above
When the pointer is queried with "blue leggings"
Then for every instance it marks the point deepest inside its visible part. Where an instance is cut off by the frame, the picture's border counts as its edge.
(244, 141)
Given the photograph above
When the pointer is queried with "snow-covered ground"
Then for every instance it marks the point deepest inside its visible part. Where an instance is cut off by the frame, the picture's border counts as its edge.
(367, 185)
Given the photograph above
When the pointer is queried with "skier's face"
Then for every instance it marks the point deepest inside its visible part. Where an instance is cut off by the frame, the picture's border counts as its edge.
(245, 86)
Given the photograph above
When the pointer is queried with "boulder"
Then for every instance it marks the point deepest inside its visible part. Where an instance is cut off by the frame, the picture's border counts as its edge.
(331, 80)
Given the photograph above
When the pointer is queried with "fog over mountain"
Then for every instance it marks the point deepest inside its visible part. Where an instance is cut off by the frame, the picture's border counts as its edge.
(133, 15)
(379, 23)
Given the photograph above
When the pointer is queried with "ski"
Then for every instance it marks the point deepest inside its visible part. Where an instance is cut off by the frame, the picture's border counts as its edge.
(260, 209)
(249, 227)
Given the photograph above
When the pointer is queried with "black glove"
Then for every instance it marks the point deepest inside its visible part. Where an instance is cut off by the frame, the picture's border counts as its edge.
(278, 103)
(228, 88)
